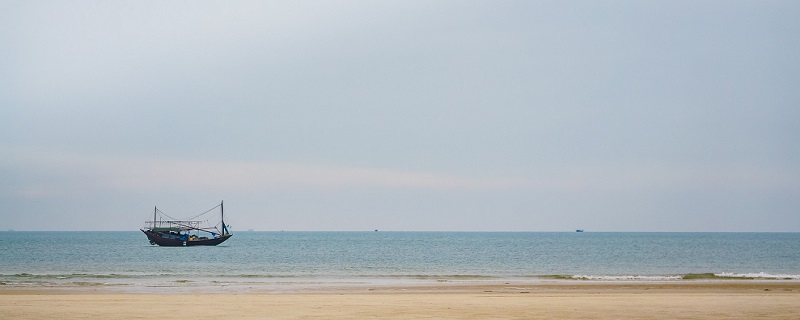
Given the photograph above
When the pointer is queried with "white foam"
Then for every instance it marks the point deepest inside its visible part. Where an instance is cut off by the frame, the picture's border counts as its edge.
(627, 278)
(760, 275)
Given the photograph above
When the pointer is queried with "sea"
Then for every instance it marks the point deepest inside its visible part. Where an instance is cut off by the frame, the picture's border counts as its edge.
(285, 261)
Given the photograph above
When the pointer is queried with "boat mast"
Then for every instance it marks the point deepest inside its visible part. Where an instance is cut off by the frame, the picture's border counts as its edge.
(222, 217)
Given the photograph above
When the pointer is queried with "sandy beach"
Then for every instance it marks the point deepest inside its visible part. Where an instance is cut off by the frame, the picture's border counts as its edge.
(564, 300)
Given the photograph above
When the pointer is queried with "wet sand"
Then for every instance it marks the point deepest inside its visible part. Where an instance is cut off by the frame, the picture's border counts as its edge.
(564, 300)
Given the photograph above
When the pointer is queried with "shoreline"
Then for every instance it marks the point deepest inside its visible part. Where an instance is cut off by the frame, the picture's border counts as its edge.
(187, 283)
(695, 300)
(464, 286)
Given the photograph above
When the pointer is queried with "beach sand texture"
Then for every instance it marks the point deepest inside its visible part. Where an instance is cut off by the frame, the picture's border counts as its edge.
(565, 301)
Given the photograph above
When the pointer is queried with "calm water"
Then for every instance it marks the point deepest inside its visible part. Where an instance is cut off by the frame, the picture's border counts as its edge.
(268, 258)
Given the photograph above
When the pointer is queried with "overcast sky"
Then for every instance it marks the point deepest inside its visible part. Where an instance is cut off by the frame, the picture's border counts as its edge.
(402, 115)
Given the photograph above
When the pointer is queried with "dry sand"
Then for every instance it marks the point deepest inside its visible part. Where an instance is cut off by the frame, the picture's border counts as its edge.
(568, 300)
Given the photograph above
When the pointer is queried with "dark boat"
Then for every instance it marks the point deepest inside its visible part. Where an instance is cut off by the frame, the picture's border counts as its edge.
(184, 233)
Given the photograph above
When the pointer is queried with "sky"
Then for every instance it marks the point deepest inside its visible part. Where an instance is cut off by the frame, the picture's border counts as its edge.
(402, 115)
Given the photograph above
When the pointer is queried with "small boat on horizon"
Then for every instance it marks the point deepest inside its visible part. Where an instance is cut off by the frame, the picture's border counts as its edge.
(579, 230)
(173, 232)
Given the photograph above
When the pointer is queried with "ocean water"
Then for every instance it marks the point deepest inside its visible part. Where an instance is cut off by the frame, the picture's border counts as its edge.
(269, 259)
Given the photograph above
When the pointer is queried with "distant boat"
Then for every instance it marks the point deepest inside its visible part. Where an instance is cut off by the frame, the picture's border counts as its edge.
(579, 230)
(185, 233)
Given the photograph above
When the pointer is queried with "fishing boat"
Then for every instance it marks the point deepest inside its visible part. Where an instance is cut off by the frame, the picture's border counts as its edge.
(166, 231)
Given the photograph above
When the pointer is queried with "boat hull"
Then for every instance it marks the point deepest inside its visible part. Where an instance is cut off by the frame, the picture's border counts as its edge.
(164, 241)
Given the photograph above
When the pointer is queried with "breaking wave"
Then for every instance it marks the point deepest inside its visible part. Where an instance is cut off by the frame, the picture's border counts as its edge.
(627, 278)
(759, 275)
(690, 276)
